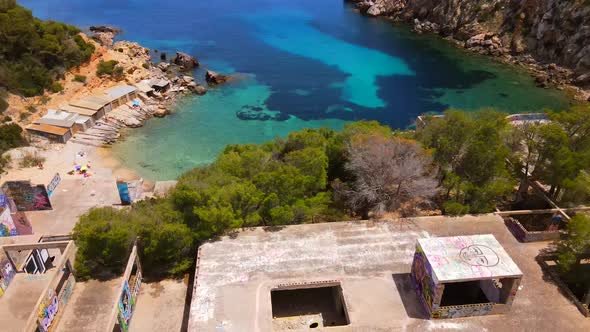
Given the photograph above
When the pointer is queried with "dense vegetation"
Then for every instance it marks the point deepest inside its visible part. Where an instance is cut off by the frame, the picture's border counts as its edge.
(10, 137)
(571, 250)
(33, 53)
(470, 151)
(276, 183)
(461, 163)
(109, 68)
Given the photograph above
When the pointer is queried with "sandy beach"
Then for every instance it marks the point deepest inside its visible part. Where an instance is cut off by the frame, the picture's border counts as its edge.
(62, 158)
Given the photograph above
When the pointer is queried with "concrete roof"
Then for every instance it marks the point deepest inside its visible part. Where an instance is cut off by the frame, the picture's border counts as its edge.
(372, 262)
(159, 83)
(119, 91)
(55, 122)
(90, 102)
(55, 130)
(144, 86)
(465, 258)
(20, 298)
(60, 115)
(78, 110)
(61, 118)
(81, 118)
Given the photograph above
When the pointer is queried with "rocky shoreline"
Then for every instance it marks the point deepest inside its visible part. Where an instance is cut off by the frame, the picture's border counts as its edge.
(467, 27)
(160, 86)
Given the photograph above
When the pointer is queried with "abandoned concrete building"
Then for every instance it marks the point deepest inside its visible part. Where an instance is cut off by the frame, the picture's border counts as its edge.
(39, 292)
(464, 276)
(368, 276)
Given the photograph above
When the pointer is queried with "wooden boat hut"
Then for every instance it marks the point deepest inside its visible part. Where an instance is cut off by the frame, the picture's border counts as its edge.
(53, 133)
(75, 122)
(121, 94)
(98, 105)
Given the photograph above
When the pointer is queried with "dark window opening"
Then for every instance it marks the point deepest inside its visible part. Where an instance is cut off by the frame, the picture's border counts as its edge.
(477, 292)
(327, 301)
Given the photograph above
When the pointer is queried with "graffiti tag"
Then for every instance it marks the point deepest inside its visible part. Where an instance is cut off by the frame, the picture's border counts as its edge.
(479, 255)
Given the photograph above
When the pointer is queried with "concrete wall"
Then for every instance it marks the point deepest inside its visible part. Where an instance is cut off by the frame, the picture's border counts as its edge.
(430, 292)
(7, 227)
(523, 235)
(122, 311)
(56, 294)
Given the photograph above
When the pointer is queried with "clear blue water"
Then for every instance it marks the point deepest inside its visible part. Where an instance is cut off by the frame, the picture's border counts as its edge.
(303, 63)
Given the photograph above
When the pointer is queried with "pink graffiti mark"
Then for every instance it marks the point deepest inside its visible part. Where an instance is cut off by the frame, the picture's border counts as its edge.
(438, 261)
(481, 271)
(460, 242)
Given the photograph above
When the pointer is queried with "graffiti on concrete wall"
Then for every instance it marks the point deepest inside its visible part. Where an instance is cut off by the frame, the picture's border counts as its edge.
(422, 277)
(7, 273)
(463, 311)
(27, 197)
(48, 310)
(53, 184)
(66, 293)
(126, 303)
(7, 227)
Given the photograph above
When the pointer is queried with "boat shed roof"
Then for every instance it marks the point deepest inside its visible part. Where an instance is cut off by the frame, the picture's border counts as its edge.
(78, 110)
(55, 122)
(159, 83)
(60, 115)
(45, 128)
(91, 102)
(119, 91)
(144, 86)
(81, 118)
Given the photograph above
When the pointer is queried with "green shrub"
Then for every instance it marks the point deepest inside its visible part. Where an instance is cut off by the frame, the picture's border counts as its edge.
(571, 249)
(4, 161)
(118, 73)
(6, 119)
(107, 68)
(23, 116)
(31, 109)
(120, 50)
(44, 99)
(80, 78)
(146, 65)
(3, 105)
(104, 237)
(455, 209)
(35, 52)
(56, 87)
(11, 137)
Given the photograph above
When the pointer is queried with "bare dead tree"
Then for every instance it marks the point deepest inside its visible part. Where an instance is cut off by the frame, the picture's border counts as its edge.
(388, 173)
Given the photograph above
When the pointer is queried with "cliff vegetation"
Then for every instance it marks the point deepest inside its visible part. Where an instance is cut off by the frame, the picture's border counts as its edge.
(33, 52)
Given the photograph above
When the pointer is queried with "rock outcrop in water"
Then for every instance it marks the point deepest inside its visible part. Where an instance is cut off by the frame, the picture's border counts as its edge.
(215, 78)
(185, 61)
(554, 32)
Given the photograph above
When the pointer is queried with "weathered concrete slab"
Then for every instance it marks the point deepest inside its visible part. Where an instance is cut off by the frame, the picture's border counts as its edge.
(160, 306)
(20, 298)
(89, 307)
(372, 262)
(464, 258)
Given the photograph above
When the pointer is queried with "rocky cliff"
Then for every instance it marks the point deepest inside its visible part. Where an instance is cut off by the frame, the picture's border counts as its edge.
(553, 32)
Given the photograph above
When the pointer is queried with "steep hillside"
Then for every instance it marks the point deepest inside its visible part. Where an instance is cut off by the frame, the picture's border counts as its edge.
(552, 31)
(33, 53)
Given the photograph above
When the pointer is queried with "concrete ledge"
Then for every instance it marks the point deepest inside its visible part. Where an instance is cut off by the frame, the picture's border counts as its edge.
(523, 235)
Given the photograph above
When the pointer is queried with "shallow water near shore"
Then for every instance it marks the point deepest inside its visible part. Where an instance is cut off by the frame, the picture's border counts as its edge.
(301, 64)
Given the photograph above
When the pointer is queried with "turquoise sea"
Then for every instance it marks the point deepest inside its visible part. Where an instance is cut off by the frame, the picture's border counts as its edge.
(302, 63)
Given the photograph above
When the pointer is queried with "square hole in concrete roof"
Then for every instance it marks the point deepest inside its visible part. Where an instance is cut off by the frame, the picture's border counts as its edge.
(308, 305)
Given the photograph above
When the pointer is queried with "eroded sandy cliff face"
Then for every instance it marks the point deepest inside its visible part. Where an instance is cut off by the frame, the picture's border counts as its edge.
(552, 31)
